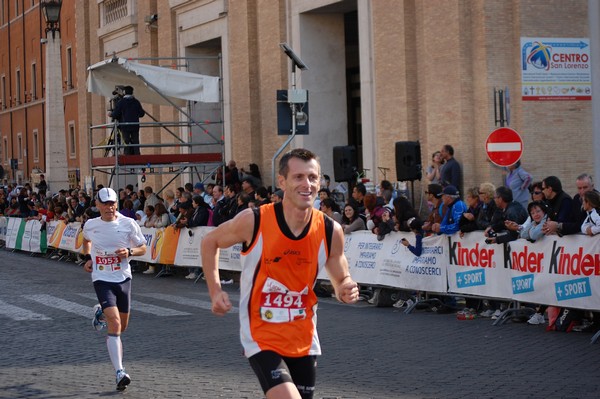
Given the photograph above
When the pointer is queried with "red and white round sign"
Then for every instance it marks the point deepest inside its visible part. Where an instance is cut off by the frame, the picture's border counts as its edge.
(504, 146)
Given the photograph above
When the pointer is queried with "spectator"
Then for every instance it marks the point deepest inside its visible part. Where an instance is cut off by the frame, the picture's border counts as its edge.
(162, 216)
(150, 220)
(243, 200)
(351, 220)
(262, 196)
(42, 186)
(538, 214)
(232, 175)
(518, 181)
(591, 204)
(374, 209)
(142, 198)
(416, 226)
(135, 199)
(248, 187)
(321, 195)
(468, 220)
(386, 226)
(219, 206)
(127, 209)
(358, 197)
(451, 173)
(438, 210)
(386, 190)
(277, 196)
(561, 205)
(200, 212)
(128, 112)
(403, 212)
(578, 215)
(327, 207)
(253, 174)
(456, 208)
(199, 190)
(151, 197)
(487, 191)
(432, 173)
(507, 211)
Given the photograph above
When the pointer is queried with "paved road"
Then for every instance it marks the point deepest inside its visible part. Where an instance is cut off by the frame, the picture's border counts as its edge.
(175, 348)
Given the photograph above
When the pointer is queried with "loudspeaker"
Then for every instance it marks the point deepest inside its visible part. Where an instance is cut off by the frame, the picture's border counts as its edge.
(408, 160)
(345, 163)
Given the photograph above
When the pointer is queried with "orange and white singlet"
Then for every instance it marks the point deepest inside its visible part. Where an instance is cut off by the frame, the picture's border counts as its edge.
(278, 307)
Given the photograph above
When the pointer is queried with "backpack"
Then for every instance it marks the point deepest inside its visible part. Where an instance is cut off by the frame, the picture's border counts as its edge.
(566, 320)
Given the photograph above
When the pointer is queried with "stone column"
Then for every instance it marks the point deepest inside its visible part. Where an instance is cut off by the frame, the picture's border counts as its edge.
(56, 143)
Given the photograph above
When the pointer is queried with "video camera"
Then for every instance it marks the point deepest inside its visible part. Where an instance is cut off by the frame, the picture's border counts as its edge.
(118, 94)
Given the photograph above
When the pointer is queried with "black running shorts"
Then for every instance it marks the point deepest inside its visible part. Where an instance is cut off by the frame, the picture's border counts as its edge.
(114, 294)
(273, 369)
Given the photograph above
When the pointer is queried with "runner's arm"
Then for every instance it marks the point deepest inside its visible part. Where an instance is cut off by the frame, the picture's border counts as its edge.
(346, 290)
(239, 229)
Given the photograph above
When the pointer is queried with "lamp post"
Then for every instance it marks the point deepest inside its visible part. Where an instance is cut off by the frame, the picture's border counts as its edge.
(56, 144)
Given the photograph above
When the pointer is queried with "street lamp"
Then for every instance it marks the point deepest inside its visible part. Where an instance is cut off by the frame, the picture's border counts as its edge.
(51, 10)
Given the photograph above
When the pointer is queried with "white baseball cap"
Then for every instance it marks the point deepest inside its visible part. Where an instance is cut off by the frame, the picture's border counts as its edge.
(107, 194)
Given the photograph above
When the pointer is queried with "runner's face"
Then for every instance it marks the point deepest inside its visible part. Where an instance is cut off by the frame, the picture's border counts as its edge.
(107, 210)
(301, 183)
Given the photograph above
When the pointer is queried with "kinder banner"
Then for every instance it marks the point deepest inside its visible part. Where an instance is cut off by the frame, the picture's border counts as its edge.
(476, 268)
(556, 271)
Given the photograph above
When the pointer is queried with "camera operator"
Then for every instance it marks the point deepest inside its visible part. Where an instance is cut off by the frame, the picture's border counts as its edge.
(128, 110)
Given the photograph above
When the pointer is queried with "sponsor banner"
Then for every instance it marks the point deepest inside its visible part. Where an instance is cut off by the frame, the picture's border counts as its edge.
(476, 268)
(229, 258)
(168, 249)
(556, 69)
(3, 224)
(188, 247)
(34, 239)
(390, 263)
(70, 236)
(149, 235)
(559, 271)
(14, 232)
(55, 232)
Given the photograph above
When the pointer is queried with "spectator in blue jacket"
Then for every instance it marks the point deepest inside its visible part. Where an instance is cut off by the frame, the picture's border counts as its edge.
(456, 207)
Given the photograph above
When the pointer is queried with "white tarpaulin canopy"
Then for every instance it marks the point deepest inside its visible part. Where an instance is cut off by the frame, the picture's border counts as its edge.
(148, 81)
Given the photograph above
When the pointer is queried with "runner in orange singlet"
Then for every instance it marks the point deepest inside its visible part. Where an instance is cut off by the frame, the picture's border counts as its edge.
(285, 245)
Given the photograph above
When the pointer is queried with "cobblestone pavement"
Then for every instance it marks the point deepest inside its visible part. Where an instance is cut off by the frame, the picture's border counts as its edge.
(175, 348)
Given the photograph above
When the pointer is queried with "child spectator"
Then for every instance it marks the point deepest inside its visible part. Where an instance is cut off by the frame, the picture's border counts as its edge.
(386, 225)
(416, 226)
(591, 202)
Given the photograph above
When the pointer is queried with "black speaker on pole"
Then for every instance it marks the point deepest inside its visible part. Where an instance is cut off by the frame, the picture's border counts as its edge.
(408, 160)
(345, 163)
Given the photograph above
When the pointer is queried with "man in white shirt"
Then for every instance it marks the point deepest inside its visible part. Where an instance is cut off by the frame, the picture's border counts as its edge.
(108, 243)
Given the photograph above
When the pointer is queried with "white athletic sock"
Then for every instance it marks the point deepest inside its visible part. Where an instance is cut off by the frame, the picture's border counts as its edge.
(115, 351)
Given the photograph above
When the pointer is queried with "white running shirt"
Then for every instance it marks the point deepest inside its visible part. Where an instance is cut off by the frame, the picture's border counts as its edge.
(106, 238)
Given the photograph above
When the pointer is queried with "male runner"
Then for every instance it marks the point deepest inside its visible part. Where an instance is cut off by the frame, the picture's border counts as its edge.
(285, 245)
(108, 243)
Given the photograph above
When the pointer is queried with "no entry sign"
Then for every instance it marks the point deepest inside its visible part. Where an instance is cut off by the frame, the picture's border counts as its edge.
(504, 146)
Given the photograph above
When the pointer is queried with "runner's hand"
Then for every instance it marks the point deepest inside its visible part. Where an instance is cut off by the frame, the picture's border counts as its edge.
(348, 292)
(87, 266)
(221, 304)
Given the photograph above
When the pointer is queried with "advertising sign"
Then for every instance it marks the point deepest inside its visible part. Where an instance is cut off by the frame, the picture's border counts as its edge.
(555, 69)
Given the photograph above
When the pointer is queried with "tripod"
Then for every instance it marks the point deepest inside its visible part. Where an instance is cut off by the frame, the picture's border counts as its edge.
(110, 140)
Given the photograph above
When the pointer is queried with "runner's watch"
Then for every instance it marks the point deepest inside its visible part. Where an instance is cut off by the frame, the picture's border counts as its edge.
(130, 252)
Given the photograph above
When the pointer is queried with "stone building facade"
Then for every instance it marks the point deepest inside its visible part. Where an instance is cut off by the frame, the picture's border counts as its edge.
(379, 72)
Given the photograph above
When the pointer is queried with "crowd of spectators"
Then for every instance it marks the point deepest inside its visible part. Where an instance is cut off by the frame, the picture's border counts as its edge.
(502, 213)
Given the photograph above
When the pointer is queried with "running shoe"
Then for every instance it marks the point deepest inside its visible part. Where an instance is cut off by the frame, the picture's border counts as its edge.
(122, 380)
(98, 321)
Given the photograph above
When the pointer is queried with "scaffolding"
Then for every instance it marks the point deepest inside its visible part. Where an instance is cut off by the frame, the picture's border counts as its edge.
(162, 86)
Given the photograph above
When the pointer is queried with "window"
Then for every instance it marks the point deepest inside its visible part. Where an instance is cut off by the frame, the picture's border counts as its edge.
(3, 88)
(5, 146)
(18, 87)
(113, 10)
(69, 68)
(72, 141)
(20, 147)
(36, 146)
(33, 82)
